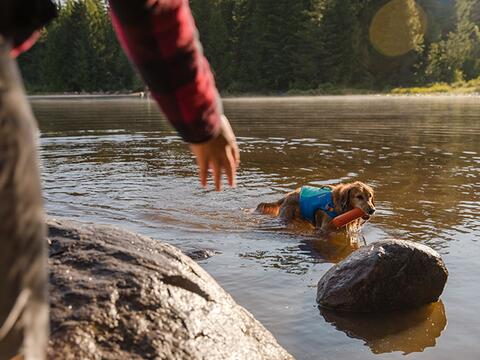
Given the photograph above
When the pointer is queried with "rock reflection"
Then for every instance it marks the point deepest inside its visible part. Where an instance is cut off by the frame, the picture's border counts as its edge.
(332, 248)
(313, 249)
(406, 331)
(287, 259)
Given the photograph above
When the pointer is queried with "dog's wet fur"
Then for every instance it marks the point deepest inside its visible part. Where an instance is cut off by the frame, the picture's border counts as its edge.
(345, 197)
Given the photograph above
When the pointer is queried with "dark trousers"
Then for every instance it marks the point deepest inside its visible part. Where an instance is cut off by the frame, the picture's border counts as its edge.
(23, 268)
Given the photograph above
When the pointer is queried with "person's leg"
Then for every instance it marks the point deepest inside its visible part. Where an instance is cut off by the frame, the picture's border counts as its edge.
(23, 271)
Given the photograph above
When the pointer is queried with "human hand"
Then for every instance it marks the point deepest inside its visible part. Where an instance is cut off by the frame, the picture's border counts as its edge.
(219, 154)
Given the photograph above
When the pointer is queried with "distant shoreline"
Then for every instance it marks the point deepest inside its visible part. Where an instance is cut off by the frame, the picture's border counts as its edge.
(146, 96)
(460, 88)
(70, 96)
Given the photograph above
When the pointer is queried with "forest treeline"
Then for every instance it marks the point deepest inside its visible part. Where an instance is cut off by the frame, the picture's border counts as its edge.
(275, 46)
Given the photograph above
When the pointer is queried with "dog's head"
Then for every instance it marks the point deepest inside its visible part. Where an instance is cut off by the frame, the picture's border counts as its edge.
(355, 195)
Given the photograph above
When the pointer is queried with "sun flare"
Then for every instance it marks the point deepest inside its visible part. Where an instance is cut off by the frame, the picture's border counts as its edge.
(398, 27)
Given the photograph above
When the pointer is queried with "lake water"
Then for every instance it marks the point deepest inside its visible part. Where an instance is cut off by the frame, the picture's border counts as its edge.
(116, 161)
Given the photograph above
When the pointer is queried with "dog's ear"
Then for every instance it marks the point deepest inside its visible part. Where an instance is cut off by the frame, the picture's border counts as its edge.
(345, 197)
(370, 190)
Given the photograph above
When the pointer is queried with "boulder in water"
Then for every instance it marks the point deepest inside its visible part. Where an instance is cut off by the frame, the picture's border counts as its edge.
(384, 276)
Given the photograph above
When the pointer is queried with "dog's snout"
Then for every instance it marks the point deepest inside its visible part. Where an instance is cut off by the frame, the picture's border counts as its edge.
(371, 211)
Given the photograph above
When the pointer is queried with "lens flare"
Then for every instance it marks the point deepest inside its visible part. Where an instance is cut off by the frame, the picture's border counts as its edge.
(398, 27)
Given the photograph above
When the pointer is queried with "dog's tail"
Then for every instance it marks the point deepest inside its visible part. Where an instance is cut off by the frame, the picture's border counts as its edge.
(270, 208)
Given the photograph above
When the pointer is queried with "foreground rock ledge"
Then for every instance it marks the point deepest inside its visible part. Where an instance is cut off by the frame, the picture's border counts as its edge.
(118, 295)
(384, 276)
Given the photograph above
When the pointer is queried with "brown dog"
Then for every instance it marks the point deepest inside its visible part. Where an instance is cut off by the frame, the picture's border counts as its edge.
(339, 199)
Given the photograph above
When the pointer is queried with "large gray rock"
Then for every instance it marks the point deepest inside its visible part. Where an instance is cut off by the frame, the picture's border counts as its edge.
(384, 276)
(118, 295)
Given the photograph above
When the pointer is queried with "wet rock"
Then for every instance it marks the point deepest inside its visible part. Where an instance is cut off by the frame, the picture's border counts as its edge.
(201, 254)
(119, 295)
(384, 276)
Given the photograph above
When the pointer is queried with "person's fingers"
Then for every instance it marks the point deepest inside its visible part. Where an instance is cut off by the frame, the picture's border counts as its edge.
(236, 154)
(217, 174)
(230, 168)
(203, 171)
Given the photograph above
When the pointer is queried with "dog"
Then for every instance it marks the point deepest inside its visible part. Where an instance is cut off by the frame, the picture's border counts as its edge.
(318, 206)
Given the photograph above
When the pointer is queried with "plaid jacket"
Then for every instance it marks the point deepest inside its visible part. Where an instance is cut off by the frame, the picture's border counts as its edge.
(160, 38)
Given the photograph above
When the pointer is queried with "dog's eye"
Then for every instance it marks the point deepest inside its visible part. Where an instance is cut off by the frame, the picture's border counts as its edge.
(360, 197)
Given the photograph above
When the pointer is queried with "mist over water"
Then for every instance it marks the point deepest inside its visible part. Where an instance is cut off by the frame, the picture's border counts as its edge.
(118, 162)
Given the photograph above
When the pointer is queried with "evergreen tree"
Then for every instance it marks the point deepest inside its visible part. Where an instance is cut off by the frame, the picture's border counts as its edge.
(244, 68)
(77, 52)
(214, 36)
(457, 56)
(342, 42)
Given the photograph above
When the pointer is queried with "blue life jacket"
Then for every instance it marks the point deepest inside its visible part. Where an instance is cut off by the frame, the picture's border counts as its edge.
(313, 199)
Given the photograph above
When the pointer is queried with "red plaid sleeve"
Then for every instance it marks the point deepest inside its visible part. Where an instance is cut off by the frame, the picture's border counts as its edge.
(160, 38)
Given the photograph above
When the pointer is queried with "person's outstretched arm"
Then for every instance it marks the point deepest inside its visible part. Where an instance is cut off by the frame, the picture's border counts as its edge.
(160, 38)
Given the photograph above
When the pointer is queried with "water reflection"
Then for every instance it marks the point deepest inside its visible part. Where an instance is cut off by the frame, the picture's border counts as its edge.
(332, 248)
(406, 331)
(310, 247)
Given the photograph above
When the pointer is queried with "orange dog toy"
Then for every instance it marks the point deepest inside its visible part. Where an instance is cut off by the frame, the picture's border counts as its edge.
(345, 218)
